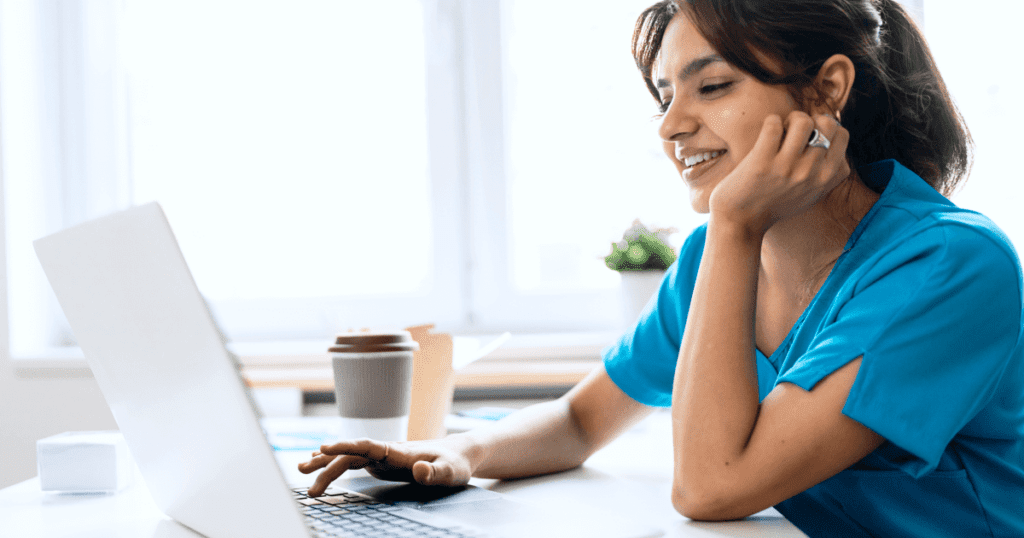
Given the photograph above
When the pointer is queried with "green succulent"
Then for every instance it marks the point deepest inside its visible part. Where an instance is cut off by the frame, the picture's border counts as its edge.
(641, 250)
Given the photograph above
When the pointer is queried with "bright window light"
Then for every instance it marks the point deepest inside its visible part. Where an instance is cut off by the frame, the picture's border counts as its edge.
(584, 156)
(285, 141)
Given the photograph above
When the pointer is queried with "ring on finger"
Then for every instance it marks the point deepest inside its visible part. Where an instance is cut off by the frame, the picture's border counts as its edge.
(818, 140)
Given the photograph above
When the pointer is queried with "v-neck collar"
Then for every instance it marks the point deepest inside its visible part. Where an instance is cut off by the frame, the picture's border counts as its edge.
(877, 176)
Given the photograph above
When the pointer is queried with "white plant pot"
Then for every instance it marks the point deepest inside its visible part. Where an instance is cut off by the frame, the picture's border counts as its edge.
(637, 289)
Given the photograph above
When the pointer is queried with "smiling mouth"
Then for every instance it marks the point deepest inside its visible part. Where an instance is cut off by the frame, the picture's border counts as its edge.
(694, 160)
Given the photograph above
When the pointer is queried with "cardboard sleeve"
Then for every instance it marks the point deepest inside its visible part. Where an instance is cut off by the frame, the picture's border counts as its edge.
(432, 383)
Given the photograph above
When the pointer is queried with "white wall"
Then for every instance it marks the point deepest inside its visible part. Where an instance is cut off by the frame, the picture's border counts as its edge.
(37, 404)
(32, 408)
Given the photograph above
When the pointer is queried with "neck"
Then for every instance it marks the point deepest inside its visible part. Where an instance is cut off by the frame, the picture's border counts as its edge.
(799, 252)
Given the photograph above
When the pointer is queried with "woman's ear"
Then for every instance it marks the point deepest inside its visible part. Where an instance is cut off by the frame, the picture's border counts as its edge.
(834, 81)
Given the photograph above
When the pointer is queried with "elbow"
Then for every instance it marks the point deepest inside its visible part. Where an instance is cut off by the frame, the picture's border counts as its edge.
(694, 507)
(707, 504)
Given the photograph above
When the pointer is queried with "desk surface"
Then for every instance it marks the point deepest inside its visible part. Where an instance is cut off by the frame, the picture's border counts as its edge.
(614, 478)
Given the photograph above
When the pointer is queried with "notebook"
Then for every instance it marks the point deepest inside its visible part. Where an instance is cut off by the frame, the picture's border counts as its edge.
(179, 400)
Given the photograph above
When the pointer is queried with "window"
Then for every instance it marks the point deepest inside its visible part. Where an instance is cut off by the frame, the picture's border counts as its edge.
(329, 165)
(294, 162)
(288, 146)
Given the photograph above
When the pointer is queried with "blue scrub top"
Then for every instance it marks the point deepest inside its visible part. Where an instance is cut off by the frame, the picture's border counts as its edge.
(931, 296)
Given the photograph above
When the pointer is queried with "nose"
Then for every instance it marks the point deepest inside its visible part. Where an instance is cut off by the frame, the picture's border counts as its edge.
(677, 123)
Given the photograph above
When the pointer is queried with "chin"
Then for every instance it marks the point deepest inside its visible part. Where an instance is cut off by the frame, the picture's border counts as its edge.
(699, 201)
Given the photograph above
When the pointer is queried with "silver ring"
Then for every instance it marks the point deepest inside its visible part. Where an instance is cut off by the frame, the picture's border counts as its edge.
(818, 140)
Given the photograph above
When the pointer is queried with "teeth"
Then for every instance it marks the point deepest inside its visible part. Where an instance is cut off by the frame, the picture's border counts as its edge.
(701, 157)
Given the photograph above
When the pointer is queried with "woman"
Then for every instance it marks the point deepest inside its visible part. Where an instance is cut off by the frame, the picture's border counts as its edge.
(839, 340)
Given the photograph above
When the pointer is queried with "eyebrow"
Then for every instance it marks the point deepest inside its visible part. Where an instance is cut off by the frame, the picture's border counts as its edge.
(692, 68)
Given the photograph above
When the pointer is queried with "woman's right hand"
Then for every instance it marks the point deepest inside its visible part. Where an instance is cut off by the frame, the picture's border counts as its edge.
(442, 462)
(781, 175)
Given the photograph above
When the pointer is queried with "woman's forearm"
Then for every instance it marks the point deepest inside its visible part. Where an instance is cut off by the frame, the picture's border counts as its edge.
(543, 438)
(715, 395)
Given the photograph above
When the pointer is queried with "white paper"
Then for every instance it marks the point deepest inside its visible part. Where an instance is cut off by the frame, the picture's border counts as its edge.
(467, 350)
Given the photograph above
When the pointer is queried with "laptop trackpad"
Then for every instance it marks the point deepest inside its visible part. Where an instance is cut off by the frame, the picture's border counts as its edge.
(419, 495)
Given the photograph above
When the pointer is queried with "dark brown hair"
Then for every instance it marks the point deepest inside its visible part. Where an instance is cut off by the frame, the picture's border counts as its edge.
(898, 108)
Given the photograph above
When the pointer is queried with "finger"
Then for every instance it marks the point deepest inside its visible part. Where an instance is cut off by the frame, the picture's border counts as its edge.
(768, 140)
(367, 448)
(315, 463)
(827, 125)
(829, 128)
(836, 161)
(439, 473)
(436, 473)
(820, 163)
(423, 473)
(798, 132)
(333, 471)
(839, 136)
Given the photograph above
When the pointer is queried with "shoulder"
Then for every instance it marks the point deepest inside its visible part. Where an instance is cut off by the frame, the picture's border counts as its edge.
(914, 219)
(941, 236)
(911, 208)
(949, 262)
(971, 233)
(959, 238)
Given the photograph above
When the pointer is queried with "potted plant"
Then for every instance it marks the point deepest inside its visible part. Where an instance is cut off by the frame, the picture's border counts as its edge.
(640, 258)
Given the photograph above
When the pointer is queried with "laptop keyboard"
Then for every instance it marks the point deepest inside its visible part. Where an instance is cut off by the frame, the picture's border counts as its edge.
(344, 513)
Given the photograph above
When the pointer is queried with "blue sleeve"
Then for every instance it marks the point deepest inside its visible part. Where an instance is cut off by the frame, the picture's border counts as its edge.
(936, 320)
(643, 361)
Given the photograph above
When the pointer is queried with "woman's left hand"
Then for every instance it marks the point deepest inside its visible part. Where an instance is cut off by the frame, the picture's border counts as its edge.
(782, 176)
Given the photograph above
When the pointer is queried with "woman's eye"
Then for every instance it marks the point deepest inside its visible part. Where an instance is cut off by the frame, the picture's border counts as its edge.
(712, 88)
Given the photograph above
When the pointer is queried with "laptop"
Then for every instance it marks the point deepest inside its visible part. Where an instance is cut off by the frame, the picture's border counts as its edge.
(186, 414)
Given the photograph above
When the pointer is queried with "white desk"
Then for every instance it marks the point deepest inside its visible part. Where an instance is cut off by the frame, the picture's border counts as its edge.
(631, 476)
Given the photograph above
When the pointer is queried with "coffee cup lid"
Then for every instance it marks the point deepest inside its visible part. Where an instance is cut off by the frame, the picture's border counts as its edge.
(371, 341)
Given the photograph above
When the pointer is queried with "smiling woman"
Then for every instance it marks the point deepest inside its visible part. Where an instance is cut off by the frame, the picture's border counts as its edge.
(840, 340)
(838, 267)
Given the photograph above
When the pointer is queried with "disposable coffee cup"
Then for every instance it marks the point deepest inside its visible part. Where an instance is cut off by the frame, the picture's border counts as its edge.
(373, 383)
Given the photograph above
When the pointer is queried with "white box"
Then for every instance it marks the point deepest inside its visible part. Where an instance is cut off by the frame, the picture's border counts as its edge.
(81, 462)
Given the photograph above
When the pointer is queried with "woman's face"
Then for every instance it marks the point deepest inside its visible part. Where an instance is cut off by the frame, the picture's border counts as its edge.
(712, 112)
